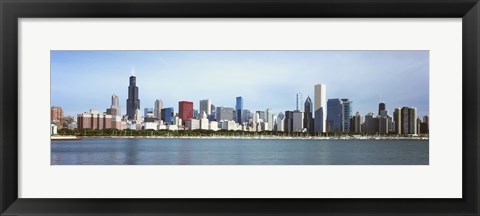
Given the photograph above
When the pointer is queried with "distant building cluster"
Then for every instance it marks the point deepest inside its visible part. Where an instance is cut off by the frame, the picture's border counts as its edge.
(321, 115)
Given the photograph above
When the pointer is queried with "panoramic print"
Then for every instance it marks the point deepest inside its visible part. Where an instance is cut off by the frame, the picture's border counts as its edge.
(239, 107)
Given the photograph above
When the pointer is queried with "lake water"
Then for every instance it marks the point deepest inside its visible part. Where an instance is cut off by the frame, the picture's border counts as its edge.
(238, 152)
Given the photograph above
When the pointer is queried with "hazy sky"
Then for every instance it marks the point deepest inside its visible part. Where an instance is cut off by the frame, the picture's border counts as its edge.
(81, 80)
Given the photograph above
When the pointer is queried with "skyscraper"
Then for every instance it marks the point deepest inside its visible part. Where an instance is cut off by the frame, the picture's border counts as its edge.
(148, 112)
(280, 122)
(157, 112)
(409, 120)
(320, 107)
(425, 119)
(116, 105)
(212, 116)
(308, 117)
(246, 115)
(397, 118)
(419, 124)
(381, 107)
(261, 115)
(138, 116)
(239, 108)
(356, 123)
(274, 122)
(299, 102)
(133, 103)
(297, 121)
(268, 115)
(288, 121)
(115, 101)
(206, 106)
(203, 121)
(114, 109)
(383, 123)
(185, 110)
(347, 114)
(256, 118)
(382, 110)
(167, 115)
(391, 126)
(225, 114)
(335, 115)
(424, 125)
(371, 124)
(196, 114)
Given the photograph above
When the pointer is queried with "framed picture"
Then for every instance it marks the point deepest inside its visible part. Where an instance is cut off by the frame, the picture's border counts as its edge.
(226, 107)
(259, 129)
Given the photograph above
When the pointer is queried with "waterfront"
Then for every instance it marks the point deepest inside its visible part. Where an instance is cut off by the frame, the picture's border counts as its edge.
(144, 151)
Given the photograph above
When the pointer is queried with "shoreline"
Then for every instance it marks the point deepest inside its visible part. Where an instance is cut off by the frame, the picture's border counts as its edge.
(253, 137)
(63, 138)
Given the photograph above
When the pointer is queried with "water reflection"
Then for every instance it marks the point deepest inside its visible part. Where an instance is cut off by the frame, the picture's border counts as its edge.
(132, 151)
(238, 152)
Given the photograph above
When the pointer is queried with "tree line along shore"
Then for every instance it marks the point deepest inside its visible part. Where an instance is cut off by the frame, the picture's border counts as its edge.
(226, 133)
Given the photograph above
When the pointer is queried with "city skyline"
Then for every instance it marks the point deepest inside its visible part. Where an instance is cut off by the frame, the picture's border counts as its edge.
(266, 95)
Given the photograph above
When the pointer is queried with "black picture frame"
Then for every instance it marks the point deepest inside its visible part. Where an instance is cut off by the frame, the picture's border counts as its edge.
(12, 10)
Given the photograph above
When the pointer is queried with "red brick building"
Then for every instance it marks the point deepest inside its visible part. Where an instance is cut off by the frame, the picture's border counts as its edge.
(94, 121)
(185, 110)
(56, 116)
(56, 113)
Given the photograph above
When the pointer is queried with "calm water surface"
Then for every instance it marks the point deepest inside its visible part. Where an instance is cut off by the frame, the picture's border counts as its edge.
(238, 152)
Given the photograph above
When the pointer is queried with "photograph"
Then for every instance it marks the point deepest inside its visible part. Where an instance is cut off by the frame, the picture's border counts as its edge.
(239, 107)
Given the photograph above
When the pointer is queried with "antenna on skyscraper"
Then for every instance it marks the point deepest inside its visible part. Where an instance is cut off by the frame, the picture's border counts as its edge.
(132, 71)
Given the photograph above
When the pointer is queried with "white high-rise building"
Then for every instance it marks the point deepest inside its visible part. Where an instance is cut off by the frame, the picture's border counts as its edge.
(157, 110)
(204, 121)
(172, 127)
(206, 106)
(213, 126)
(230, 125)
(256, 118)
(115, 102)
(274, 122)
(192, 124)
(320, 108)
(53, 129)
(177, 121)
(151, 126)
(138, 116)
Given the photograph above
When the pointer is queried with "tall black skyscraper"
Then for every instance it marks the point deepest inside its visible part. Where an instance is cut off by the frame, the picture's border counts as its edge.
(133, 103)
(308, 119)
(289, 121)
(381, 107)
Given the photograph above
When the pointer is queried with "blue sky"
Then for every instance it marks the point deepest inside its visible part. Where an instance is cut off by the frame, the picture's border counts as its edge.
(81, 80)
